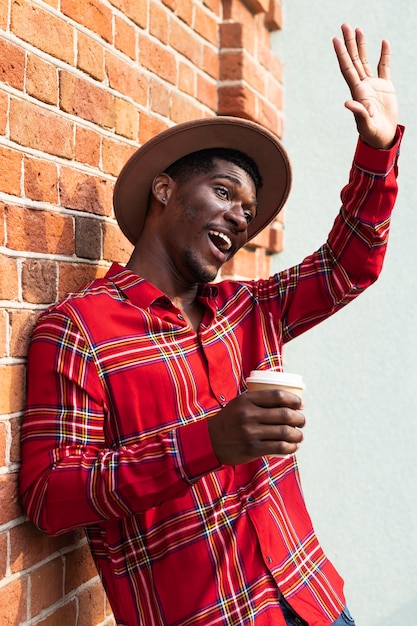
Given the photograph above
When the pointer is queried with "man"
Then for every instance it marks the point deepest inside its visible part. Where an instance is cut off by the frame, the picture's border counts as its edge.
(138, 424)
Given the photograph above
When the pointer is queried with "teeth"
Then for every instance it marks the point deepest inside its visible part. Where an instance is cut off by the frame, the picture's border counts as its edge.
(222, 236)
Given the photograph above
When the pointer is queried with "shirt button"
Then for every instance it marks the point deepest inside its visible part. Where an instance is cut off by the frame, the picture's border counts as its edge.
(180, 317)
(269, 559)
(222, 398)
(251, 499)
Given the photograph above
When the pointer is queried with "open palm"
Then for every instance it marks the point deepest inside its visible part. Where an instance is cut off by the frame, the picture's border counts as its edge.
(374, 102)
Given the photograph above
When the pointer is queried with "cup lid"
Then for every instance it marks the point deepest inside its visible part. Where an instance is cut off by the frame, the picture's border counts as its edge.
(276, 378)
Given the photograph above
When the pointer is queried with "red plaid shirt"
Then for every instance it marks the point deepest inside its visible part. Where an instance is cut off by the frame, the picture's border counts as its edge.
(115, 433)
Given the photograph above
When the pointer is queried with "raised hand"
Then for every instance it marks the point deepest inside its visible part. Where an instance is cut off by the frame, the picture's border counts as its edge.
(374, 102)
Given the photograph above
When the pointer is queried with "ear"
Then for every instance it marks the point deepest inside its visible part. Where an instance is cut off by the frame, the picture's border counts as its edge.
(162, 186)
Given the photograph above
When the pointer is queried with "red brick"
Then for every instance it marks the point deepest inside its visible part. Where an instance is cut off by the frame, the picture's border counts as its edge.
(36, 127)
(261, 240)
(43, 30)
(72, 276)
(46, 585)
(83, 192)
(258, 6)
(125, 37)
(12, 64)
(21, 326)
(90, 58)
(231, 35)
(115, 245)
(9, 279)
(114, 155)
(136, 10)
(249, 264)
(183, 110)
(92, 14)
(29, 546)
(15, 443)
(12, 389)
(10, 171)
(4, 330)
(2, 224)
(273, 17)
(207, 91)
(88, 238)
(79, 568)
(127, 78)
(184, 41)
(3, 555)
(4, 109)
(206, 25)
(211, 62)
(236, 100)
(182, 9)
(4, 13)
(87, 146)
(40, 180)
(14, 602)
(10, 506)
(92, 605)
(158, 22)
(215, 6)
(84, 99)
(186, 78)
(39, 278)
(274, 66)
(41, 80)
(274, 93)
(65, 615)
(158, 59)
(3, 452)
(269, 116)
(149, 126)
(127, 119)
(231, 65)
(40, 231)
(160, 101)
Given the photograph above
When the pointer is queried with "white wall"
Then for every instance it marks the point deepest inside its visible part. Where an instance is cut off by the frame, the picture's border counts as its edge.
(359, 461)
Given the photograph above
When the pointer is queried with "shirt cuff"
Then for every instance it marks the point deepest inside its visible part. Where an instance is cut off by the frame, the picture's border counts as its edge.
(378, 162)
(196, 451)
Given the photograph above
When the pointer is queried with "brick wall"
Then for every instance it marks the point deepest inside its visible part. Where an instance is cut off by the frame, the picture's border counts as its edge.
(82, 84)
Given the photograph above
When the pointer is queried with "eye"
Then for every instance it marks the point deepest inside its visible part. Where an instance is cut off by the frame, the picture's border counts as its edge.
(249, 216)
(223, 192)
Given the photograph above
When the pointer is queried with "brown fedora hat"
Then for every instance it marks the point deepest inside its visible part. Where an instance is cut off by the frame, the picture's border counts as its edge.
(133, 186)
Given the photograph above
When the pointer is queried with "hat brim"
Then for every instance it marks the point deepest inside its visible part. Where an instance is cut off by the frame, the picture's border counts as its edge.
(133, 186)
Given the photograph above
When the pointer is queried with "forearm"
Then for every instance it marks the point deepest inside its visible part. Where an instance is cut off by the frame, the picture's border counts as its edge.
(353, 255)
(76, 470)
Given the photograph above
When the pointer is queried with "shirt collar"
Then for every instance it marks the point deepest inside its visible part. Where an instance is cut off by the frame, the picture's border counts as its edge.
(143, 293)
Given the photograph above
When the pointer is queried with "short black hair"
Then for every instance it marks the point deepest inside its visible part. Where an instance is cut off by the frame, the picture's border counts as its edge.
(202, 162)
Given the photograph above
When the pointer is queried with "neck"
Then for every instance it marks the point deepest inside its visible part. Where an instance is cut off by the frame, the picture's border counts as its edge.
(182, 294)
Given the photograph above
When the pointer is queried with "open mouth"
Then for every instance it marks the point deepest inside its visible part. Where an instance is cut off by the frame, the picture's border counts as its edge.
(220, 240)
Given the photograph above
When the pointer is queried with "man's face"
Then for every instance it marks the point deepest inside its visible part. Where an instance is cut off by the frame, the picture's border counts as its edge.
(206, 220)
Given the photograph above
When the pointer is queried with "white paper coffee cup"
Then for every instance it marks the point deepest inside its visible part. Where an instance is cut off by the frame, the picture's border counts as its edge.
(259, 380)
(263, 379)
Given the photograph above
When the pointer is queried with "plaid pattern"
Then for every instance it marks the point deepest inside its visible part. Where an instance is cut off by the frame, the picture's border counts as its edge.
(115, 433)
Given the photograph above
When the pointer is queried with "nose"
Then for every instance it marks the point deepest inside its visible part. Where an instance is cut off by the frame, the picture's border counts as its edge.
(236, 214)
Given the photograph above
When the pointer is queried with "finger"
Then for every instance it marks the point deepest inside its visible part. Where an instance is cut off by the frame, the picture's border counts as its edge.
(288, 434)
(352, 39)
(273, 398)
(384, 60)
(282, 416)
(361, 46)
(347, 68)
